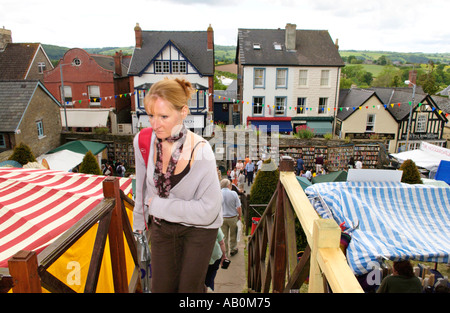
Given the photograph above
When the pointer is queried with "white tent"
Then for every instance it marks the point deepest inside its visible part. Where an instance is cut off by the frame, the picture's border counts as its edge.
(63, 160)
(428, 156)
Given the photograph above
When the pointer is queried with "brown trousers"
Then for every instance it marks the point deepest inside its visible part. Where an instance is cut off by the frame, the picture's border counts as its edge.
(180, 257)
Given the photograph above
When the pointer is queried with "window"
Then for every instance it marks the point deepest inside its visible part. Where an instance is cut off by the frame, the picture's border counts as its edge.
(259, 78)
(179, 67)
(40, 129)
(193, 101)
(282, 78)
(303, 78)
(324, 78)
(41, 67)
(141, 95)
(94, 95)
(277, 46)
(76, 62)
(256, 46)
(258, 104)
(322, 105)
(2, 141)
(422, 119)
(280, 106)
(370, 125)
(162, 67)
(67, 95)
(301, 105)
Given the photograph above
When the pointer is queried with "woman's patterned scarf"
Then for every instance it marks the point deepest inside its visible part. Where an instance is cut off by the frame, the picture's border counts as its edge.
(163, 180)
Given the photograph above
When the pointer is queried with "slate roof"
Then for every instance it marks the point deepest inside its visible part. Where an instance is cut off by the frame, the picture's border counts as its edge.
(352, 98)
(16, 59)
(192, 44)
(107, 62)
(313, 48)
(356, 97)
(15, 95)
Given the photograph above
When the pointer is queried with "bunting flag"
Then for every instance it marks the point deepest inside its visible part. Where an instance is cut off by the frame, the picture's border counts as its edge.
(294, 108)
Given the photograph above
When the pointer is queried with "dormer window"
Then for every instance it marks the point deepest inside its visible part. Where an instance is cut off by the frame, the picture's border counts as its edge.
(277, 46)
(256, 46)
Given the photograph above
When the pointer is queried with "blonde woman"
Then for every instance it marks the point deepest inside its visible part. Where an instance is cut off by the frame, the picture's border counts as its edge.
(178, 192)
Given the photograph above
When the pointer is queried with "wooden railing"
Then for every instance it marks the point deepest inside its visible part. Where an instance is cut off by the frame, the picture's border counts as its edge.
(273, 265)
(28, 272)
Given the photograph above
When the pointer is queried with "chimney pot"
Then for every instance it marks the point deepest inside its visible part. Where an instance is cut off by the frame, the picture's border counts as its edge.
(412, 77)
(138, 35)
(118, 63)
(290, 36)
(210, 35)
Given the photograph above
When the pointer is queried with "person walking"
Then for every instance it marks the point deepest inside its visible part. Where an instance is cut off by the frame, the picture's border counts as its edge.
(300, 165)
(232, 212)
(217, 258)
(250, 168)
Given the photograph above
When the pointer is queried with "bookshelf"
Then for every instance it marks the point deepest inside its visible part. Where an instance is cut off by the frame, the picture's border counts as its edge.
(368, 153)
(338, 157)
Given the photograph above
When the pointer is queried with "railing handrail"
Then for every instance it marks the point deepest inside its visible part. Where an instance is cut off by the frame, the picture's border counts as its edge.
(326, 259)
(113, 223)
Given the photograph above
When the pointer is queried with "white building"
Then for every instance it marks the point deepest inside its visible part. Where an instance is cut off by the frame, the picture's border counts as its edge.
(288, 77)
(174, 54)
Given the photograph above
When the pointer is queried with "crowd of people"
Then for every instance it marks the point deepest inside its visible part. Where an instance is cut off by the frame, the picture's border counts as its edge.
(243, 171)
(114, 168)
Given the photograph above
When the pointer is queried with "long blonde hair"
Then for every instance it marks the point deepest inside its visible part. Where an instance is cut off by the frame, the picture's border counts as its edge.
(177, 91)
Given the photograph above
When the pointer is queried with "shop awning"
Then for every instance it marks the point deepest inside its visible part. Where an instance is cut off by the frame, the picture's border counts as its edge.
(282, 123)
(320, 128)
(85, 117)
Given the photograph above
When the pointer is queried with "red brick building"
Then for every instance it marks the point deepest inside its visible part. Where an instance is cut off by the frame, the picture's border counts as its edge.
(96, 90)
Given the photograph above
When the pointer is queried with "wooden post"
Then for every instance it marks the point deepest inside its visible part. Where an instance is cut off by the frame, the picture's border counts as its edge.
(326, 234)
(23, 267)
(111, 189)
(279, 243)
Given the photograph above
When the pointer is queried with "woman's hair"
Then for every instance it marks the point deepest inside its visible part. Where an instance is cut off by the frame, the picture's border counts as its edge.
(404, 268)
(176, 91)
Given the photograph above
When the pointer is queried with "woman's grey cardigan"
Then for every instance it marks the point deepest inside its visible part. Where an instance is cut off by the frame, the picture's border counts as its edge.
(195, 201)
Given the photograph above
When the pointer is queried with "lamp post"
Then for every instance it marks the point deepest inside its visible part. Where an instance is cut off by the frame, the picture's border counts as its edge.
(63, 98)
(410, 112)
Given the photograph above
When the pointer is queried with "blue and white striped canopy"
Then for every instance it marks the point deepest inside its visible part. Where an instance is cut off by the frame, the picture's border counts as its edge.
(387, 220)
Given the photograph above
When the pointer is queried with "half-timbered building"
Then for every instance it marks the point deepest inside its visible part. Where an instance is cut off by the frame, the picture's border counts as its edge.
(427, 119)
(174, 54)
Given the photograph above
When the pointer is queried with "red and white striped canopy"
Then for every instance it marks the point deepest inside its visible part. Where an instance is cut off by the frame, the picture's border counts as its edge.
(37, 206)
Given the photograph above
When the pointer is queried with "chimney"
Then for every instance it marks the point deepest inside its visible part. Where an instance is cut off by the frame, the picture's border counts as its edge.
(336, 44)
(138, 34)
(290, 37)
(118, 63)
(5, 37)
(412, 77)
(210, 33)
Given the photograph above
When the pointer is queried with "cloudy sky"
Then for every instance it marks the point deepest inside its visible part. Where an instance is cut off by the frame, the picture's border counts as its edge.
(388, 25)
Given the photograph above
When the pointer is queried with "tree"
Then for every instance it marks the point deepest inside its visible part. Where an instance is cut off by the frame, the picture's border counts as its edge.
(90, 165)
(411, 174)
(390, 76)
(265, 184)
(22, 153)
